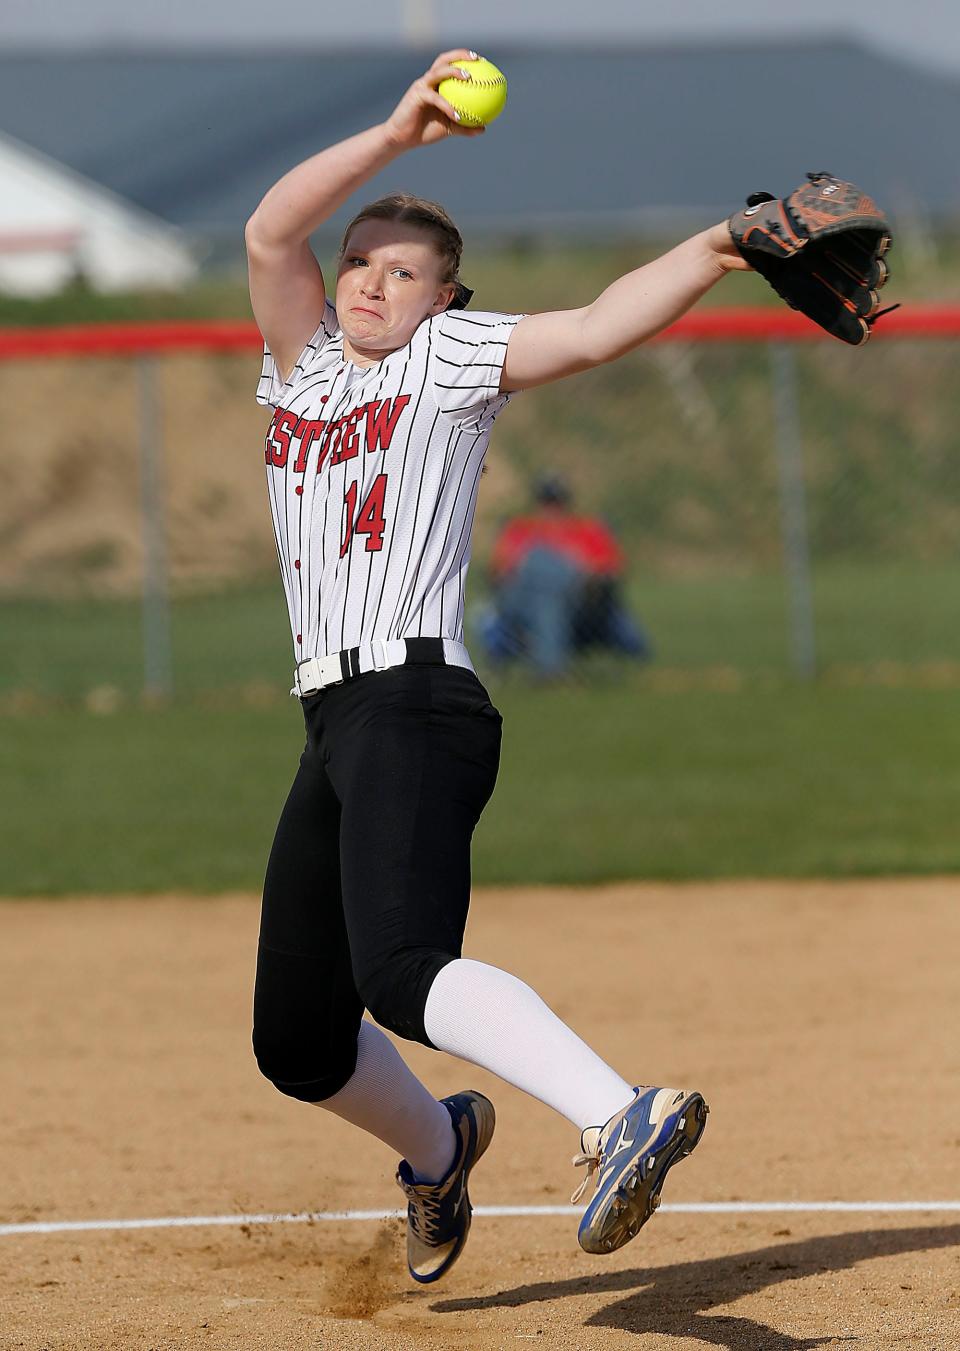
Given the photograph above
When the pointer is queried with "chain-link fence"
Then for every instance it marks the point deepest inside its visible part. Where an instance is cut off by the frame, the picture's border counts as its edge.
(781, 507)
(711, 510)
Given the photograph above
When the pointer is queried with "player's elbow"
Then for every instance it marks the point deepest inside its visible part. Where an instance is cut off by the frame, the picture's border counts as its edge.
(253, 234)
(260, 239)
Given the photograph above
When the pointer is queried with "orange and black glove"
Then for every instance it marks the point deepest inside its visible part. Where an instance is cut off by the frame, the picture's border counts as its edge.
(822, 249)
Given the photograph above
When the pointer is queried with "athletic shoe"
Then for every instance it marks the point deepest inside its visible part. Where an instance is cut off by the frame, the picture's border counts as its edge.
(630, 1157)
(438, 1213)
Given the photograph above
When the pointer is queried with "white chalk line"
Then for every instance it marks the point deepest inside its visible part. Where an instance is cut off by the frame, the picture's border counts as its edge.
(498, 1212)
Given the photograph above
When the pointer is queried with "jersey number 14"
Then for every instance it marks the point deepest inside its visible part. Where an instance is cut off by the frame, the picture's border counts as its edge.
(369, 520)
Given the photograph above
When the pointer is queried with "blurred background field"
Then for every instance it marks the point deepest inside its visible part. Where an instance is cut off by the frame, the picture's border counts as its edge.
(789, 512)
(714, 759)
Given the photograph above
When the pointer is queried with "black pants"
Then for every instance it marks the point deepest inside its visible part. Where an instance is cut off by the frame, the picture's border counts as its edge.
(368, 882)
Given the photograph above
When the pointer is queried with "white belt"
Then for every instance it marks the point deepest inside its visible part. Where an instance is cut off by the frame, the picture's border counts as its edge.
(316, 673)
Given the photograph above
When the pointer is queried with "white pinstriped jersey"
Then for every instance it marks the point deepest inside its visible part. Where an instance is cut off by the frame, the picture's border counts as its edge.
(372, 474)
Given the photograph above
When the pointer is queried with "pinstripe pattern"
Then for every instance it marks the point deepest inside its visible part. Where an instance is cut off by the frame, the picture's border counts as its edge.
(412, 430)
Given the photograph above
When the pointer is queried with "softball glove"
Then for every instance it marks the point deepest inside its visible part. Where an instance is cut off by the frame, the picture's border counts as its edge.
(822, 249)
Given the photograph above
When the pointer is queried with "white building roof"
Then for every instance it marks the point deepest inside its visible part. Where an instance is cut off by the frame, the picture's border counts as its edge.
(55, 224)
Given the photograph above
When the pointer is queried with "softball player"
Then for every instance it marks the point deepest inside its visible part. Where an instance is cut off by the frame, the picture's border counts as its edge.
(383, 403)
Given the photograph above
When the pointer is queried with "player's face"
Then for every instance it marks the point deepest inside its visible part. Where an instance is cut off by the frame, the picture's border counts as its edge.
(388, 282)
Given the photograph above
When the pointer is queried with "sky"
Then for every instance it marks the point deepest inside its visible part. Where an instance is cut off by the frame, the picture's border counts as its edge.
(924, 31)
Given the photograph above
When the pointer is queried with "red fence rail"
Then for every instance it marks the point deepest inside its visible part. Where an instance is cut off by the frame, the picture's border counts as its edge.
(743, 324)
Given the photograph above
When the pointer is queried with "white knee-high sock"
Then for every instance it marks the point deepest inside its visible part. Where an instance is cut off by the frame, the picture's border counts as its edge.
(486, 1016)
(384, 1097)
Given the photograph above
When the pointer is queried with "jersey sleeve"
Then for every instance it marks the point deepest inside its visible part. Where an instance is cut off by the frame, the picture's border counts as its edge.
(468, 357)
(271, 390)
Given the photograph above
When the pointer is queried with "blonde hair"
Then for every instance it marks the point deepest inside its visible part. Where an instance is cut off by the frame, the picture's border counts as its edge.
(428, 216)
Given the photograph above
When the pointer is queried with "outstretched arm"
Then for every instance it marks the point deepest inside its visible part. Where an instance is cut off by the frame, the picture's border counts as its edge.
(287, 290)
(546, 347)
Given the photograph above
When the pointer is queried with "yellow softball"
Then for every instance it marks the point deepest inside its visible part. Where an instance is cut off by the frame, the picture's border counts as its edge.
(481, 98)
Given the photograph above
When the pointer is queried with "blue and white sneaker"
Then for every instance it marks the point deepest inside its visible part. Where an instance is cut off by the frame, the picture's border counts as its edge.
(630, 1157)
(438, 1213)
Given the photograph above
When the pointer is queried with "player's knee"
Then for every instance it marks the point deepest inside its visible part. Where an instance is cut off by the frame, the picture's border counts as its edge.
(395, 992)
(309, 1070)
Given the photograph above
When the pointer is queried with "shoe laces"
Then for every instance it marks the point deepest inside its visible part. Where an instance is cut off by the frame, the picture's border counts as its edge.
(424, 1212)
(592, 1162)
(591, 1155)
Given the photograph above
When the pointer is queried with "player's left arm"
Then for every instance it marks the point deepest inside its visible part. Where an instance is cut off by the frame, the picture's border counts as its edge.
(546, 347)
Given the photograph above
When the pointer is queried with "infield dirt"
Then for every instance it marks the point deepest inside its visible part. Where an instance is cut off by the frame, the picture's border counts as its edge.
(819, 1020)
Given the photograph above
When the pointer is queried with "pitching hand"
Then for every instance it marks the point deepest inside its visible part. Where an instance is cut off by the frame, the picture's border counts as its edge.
(422, 117)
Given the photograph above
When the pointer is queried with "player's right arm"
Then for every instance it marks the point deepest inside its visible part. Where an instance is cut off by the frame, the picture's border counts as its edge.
(287, 290)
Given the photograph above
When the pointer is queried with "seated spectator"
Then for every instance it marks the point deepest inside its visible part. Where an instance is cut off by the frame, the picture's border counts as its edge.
(557, 587)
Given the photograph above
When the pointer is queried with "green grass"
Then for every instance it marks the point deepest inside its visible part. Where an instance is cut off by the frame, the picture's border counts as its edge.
(64, 649)
(712, 762)
(239, 638)
(764, 782)
(140, 800)
(622, 782)
(864, 614)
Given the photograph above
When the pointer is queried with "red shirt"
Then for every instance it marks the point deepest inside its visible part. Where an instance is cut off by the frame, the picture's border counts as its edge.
(583, 539)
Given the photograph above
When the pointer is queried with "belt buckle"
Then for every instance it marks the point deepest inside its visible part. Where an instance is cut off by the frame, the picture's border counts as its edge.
(305, 674)
(317, 673)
